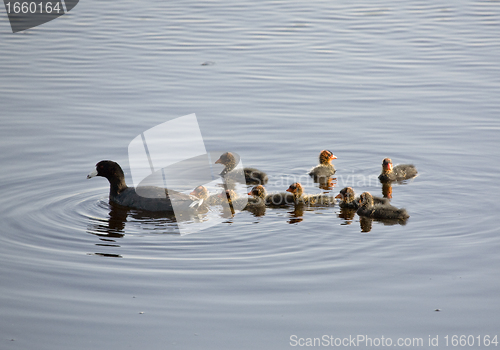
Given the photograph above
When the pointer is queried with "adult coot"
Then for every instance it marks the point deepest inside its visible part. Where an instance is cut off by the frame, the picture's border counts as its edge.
(150, 199)
(252, 175)
(398, 173)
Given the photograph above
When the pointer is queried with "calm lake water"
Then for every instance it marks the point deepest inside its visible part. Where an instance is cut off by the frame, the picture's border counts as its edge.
(277, 82)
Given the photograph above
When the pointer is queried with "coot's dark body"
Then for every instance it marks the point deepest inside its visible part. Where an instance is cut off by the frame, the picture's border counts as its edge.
(149, 198)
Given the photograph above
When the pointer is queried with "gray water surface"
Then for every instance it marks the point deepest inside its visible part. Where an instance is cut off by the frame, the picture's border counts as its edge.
(276, 82)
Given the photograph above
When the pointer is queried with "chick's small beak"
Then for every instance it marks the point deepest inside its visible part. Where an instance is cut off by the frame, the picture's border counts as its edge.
(92, 174)
(218, 161)
(289, 190)
(333, 157)
(339, 196)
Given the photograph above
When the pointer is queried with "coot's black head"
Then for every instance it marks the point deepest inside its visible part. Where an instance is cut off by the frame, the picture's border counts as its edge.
(258, 191)
(346, 195)
(366, 199)
(108, 169)
(326, 156)
(387, 165)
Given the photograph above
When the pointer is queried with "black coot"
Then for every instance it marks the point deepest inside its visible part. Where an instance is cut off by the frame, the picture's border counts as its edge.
(151, 198)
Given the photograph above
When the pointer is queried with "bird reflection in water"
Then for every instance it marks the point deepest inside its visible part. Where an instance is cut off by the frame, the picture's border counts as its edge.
(347, 214)
(297, 214)
(387, 190)
(114, 226)
(366, 222)
(326, 183)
